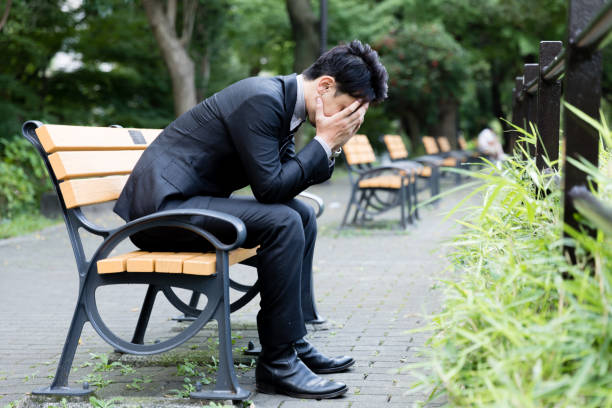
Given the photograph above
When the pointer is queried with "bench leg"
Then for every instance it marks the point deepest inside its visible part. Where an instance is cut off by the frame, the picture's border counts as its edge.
(193, 302)
(408, 198)
(59, 386)
(226, 386)
(348, 207)
(415, 198)
(402, 192)
(315, 318)
(145, 314)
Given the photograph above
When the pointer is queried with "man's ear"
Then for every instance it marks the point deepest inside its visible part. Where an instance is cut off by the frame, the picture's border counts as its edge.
(325, 83)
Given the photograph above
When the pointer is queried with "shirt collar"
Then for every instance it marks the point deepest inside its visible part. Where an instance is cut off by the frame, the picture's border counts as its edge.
(299, 113)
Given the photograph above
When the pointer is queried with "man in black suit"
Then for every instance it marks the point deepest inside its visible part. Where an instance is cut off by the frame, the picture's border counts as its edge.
(243, 135)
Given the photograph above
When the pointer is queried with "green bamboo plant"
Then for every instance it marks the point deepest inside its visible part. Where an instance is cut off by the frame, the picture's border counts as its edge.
(513, 332)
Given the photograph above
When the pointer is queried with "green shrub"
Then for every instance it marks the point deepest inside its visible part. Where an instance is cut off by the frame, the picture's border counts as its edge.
(513, 332)
(23, 177)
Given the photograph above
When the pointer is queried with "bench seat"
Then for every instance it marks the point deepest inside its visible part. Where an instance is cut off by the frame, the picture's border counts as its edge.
(191, 263)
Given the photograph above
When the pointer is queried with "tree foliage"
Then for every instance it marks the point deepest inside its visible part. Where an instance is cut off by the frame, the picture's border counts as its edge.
(426, 66)
(97, 62)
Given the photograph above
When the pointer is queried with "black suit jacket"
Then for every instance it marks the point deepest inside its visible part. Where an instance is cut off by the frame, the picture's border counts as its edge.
(237, 137)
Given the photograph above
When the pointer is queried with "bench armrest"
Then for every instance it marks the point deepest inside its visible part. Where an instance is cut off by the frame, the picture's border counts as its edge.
(429, 159)
(399, 170)
(406, 165)
(180, 218)
(318, 200)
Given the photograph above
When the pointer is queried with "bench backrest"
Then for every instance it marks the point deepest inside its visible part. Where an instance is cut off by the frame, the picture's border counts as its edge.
(444, 144)
(92, 164)
(430, 145)
(395, 147)
(462, 143)
(358, 151)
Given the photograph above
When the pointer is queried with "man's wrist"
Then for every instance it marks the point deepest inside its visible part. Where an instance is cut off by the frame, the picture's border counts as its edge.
(325, 146)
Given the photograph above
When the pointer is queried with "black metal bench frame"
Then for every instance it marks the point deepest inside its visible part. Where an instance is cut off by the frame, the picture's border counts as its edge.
(367, 202)
(215, 288)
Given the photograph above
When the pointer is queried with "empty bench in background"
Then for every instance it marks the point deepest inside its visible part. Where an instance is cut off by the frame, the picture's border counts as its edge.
(377, 189)
(90, 165)
(399, 156)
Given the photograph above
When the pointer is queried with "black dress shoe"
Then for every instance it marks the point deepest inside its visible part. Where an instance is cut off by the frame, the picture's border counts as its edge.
(319, 363)
(280, 371)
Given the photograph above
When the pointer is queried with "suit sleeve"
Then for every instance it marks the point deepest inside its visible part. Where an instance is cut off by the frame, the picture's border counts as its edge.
(255, 129)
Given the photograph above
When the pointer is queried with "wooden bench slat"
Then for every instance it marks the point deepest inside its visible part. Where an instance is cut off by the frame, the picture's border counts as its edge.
(193, 263)
(430, 145)
(462, 142)
(205, 264)
(449, 162)
(64, 138)
(444, 144)
(173, 263)
(425, 171)
(395, 146)
(82, 192)
(116, 263)
(358, 150)
(67, 165)
(146, 262)
(390, 181)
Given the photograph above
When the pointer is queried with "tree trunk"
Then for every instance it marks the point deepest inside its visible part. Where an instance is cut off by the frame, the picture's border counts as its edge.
(304, 26)
(5, 14)
(174, 49)
(410, 124)
(447, 122)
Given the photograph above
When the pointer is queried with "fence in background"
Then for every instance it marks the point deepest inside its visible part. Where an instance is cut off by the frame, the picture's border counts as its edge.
(537, 100)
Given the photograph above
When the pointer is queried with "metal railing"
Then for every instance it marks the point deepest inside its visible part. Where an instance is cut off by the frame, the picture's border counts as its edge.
(537, 100)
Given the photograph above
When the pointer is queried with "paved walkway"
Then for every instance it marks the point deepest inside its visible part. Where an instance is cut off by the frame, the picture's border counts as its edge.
(372, 284)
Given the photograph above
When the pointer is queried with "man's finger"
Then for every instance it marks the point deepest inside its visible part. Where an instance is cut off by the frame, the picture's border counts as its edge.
(355, 119)
(349, 110)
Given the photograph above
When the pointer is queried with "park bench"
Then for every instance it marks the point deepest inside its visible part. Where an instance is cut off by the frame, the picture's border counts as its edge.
(399, 156)
(446, 148)
(472, 154)
(435, 157)
(90, 165)
(368, 182)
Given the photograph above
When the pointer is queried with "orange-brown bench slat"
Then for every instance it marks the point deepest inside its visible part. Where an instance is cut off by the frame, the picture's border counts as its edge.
(173, 263)
(82, 192)
(205, 264)
(117, 263)
(67, 165)
(64, 138)
(194, 263)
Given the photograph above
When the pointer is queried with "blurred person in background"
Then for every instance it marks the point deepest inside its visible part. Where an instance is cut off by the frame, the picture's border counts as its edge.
(490, 146)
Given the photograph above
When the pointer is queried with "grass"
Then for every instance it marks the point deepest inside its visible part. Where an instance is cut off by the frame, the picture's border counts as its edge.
(24, 224)
(513, 332)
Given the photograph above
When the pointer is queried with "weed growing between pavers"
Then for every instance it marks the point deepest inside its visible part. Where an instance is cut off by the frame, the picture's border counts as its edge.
(513, 332)
(124, 375)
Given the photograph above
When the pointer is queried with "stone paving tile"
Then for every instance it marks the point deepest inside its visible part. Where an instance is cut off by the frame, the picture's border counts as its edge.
(372, 284)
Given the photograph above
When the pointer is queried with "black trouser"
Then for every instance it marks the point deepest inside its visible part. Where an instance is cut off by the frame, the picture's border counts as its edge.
(286, 233)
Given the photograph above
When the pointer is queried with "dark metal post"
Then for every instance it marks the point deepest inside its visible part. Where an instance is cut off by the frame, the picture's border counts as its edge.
(582, 89)
(323, 23)
(517, 112)
(549, 101)
(532, 71)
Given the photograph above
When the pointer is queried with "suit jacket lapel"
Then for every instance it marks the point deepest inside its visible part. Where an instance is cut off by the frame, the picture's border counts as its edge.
(290, 85)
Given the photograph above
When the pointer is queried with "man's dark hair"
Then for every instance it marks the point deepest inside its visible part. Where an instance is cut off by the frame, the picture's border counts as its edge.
(356, 69)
